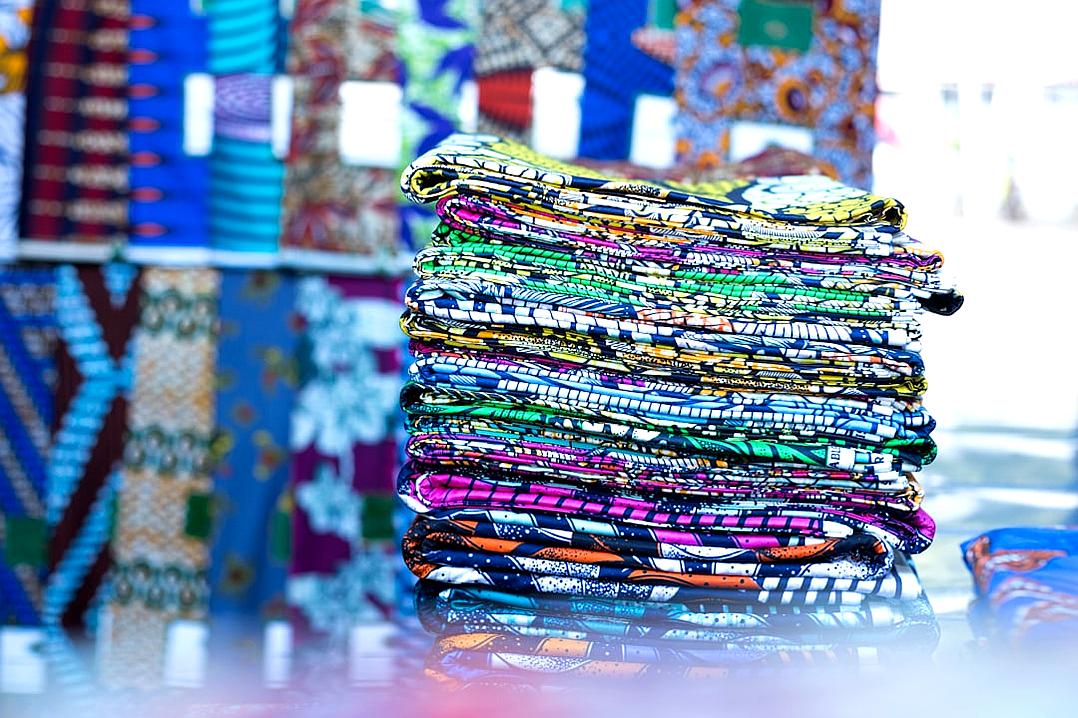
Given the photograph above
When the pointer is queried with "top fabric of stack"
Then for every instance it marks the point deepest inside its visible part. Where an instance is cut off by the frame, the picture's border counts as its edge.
(738, 356)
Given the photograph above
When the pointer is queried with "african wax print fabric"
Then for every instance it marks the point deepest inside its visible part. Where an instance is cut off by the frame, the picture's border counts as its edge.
(256, 387)
(435, 44)
(163, 513)
(75, 178)
(97, 310)
(245, 36)
(628, 53)
(169, 186)
(15, 18)
(330, 206)
(344, 452)
(486, 635)
(27, 376)
(246, 178)
(515, 38)
(1026, 580)
(800, 64)
(657, 391)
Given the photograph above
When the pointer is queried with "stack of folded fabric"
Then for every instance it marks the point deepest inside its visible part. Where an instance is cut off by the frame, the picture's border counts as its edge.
(664, 392)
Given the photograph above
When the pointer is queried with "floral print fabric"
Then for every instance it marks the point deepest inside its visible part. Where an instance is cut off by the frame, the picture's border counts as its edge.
(343, 451)
(731, 70)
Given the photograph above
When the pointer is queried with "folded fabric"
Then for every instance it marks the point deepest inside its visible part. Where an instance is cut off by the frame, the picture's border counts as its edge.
(780, 559)
(1026, 580)
(447, 610)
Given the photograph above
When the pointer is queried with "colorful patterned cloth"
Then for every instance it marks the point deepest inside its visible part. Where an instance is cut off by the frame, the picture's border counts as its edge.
(487, 635)
(164, 511)
(27, 377)
(515, 38)
(655, 390)
(75, 183)
(435, 45)
(330, 206)
(628, 53)
(810, 65)
(97, 309)
(256, 387)
(168, 41)
(15, 18)
(246, 178)
(344, 453)
(1026, 580)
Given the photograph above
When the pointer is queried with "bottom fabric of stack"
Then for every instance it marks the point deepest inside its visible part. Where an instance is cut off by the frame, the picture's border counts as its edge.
(487, 637)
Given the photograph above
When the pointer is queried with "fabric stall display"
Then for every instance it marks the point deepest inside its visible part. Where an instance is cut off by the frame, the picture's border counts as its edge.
(331, 206)
(169, 178)
(1026, 581)
(659, 392)
(515, 38)
(27, 379)
(344, 452)
(256, 388)
(97, 310)
(15, 18)
(752, 68)
(164, 509)
(75, 177)
(629, 53)
(435, 45)
(486, 635)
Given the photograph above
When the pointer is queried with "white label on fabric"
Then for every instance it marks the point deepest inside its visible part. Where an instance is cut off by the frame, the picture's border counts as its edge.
(469, 106)
(198, 114)
(751, 138)
(185, 654)
(370, 654)
(277, 654)
(654, 141)
(556, 112)
(22, 662)
(281, 116)
(370, 131)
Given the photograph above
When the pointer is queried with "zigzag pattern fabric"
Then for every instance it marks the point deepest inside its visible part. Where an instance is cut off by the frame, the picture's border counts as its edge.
(27, 374)
(96, 313)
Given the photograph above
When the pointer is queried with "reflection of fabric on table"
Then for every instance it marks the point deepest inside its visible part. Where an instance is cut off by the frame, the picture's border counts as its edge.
(1026, 581)
(256, 384)
(15, 18)
(488, 635)
(515, 38)
(163, 517)
(27, 376)
(799, 64)
(328, 205)
(344, 451)
(168, 186)
(75, 181)
(623, 59)
(96, 312)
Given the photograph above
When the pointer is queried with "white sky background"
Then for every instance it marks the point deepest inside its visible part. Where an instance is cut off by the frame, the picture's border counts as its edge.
(1010, 357)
